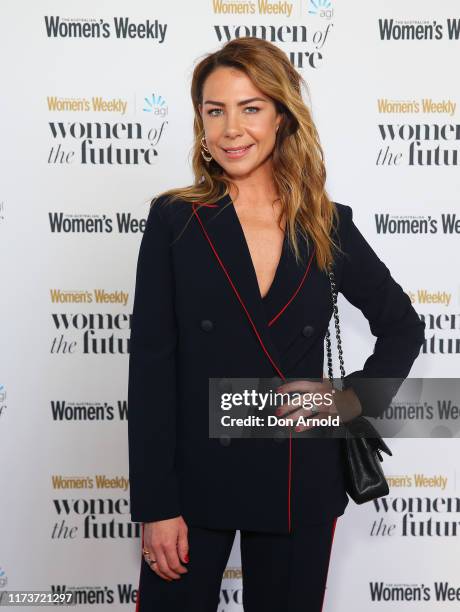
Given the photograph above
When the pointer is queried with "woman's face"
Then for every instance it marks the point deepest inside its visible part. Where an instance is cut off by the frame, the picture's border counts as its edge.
(239, 121)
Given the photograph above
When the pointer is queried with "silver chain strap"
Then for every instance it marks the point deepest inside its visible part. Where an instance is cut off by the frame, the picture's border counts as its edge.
(337, 333)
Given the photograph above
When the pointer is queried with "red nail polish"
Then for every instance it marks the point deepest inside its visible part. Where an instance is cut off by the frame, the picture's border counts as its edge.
(186, 558)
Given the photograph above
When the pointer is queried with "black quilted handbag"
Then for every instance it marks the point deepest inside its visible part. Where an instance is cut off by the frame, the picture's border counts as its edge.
(362, 444)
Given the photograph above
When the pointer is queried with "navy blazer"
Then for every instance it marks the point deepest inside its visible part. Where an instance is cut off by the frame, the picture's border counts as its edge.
(197, 314)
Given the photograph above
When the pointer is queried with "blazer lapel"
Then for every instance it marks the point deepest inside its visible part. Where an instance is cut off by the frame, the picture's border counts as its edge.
(222, 229)
(289, 280)
(220, 226)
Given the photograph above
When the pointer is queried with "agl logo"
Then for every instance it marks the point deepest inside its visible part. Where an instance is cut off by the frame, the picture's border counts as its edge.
(321, 8)
(3, 578)
(155, 105)
(2, 409)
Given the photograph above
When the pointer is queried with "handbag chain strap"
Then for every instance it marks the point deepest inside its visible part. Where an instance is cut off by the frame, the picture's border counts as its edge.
(337, 333)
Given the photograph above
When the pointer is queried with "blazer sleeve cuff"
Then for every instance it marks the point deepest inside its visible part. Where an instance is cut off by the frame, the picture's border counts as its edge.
(375, 394)
(156, 502)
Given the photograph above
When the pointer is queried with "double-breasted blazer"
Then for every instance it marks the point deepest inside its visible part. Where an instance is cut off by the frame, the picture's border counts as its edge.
(198, 314)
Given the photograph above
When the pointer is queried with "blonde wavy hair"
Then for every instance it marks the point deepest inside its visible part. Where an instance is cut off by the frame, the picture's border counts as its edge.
(298, 160)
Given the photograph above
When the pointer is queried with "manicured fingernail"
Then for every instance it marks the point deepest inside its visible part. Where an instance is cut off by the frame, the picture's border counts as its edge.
(186, 558)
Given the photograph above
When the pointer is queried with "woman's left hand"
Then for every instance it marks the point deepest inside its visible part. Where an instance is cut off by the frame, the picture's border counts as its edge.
(328, 401)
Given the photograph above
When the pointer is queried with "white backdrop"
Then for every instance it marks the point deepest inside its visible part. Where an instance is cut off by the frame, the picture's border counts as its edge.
(71, 221)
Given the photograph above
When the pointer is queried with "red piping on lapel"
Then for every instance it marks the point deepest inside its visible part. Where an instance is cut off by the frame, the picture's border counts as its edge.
(138, 598)
(295, 292)
(330, 551)
(263, 347)
(239, 297)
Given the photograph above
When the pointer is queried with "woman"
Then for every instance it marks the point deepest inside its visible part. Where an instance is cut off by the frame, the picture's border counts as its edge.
(232, 283)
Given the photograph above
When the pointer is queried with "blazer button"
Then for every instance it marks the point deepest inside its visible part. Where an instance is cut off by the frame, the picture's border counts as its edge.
(206, 325)
(225, 440)
(308, 331)
(280, 436)
(225, 385)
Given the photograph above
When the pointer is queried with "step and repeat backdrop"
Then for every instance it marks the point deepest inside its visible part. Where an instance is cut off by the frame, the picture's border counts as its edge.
(96, 119)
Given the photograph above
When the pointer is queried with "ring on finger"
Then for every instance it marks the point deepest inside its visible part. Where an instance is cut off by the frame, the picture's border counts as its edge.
(149, 560)
(147, 557)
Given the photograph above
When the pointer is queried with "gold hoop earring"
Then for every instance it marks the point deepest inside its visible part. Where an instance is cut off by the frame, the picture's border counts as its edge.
(203, 149)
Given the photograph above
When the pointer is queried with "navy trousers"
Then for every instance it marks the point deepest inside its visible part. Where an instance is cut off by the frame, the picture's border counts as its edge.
(281, 573)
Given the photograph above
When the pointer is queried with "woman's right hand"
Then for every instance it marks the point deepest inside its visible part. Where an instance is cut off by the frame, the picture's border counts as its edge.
(167, 542)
